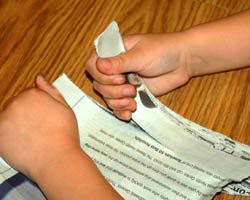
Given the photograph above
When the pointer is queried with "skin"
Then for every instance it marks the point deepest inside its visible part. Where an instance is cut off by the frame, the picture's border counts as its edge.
(46, 147)
(167, 61)
(38, 131)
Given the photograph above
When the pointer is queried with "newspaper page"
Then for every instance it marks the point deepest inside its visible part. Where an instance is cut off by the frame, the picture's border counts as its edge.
(142, 159)
(138, 166)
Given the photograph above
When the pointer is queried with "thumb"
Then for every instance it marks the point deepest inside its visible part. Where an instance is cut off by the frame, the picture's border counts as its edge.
(44, 85)
(126, 62)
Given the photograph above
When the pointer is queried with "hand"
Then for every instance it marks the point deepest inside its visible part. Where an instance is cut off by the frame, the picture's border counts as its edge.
(39, 137)
(161, 60)
(37, 129)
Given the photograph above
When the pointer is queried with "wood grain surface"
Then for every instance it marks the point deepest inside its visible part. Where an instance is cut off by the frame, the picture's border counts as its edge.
(55, 37)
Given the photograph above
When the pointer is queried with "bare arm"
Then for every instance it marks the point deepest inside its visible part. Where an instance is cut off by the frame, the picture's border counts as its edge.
(74, 176)
(221, 45)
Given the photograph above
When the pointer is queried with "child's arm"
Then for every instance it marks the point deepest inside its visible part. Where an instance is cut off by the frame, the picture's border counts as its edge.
(221, 45)
(167, 61)
(39, 137)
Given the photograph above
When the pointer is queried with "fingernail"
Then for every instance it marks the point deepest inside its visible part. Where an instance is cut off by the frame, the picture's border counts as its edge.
(118, 80)
(40, 78)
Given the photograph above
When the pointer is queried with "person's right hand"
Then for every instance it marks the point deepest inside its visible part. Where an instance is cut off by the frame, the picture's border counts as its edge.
(37, 129)
(161, 60)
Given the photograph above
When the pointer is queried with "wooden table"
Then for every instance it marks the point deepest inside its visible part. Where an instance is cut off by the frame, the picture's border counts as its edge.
(55, 37)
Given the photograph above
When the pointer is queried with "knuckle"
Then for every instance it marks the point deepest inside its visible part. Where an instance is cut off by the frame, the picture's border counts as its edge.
(120, 61)
(112, 103)
(109, 103)
(33, 95)
(100, 78)
(100, 89)
(112, 92)
(32, 92)
(97, 76)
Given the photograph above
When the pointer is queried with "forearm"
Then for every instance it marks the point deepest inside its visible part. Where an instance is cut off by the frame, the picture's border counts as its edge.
(219, 46)
(75, 176)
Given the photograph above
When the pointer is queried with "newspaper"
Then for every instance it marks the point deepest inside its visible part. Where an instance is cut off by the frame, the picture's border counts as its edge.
(159, 154)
